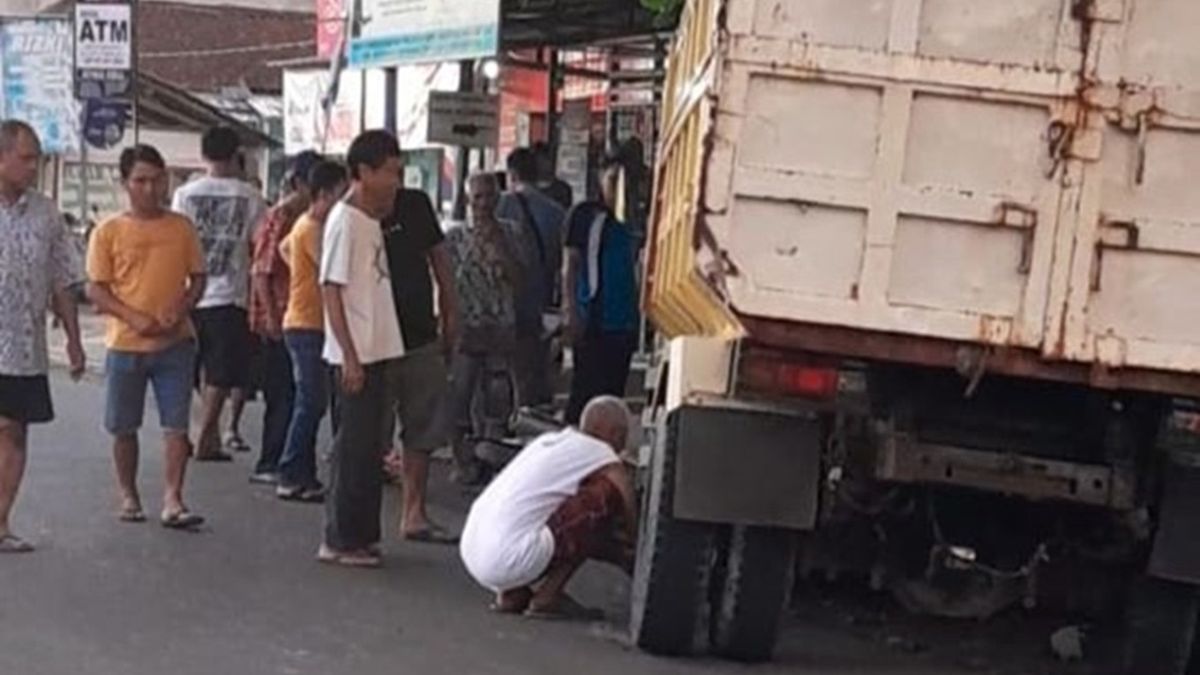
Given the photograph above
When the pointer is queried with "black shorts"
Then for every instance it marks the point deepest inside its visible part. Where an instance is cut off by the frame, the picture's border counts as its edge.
(26, 399)
(226, 346)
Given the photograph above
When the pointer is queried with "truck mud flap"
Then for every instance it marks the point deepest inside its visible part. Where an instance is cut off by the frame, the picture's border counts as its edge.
(746, 467)
(1176, 552)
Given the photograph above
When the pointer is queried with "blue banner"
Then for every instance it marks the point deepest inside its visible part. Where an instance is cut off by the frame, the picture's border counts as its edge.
(104, 122)
(450, 44)
(401, 32)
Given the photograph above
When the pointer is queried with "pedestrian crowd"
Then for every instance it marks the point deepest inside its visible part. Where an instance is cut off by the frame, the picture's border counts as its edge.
(346, 299)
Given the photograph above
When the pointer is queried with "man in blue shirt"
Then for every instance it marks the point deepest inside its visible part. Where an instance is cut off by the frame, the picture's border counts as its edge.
(542, 219)
(600, 297)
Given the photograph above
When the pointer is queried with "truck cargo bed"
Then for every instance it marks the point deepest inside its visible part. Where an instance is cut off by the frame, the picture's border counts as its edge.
(1014, 176)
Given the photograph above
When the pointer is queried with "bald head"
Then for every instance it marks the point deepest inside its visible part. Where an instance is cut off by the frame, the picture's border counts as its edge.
(483, 195)
(608, 419)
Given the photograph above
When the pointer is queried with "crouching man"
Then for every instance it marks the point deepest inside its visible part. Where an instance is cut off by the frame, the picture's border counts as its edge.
(565, 499)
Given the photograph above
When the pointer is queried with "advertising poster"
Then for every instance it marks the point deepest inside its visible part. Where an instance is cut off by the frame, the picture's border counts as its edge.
(37, 83)
(305, 124)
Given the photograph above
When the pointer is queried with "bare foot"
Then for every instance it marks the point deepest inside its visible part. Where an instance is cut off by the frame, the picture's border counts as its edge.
(208, 449)
(515, 601)
(413, 523)
(131, 510)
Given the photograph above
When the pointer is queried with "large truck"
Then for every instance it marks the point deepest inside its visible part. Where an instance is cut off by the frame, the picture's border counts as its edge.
(926, 277)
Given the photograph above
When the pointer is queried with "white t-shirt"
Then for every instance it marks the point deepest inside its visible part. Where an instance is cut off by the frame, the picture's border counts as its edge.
(226, 212)
(506, 543)
(353, 257)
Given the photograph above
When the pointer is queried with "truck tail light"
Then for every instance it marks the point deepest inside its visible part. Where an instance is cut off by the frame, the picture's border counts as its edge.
(774, 376)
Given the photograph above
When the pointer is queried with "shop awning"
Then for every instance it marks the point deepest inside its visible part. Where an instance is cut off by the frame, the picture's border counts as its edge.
(161, 104)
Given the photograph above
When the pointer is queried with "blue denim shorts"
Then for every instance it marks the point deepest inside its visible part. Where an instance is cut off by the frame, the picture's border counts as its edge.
(169, 372)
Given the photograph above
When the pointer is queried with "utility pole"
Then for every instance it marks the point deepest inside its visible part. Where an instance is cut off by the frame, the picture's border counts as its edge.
(390, 99)
(134, 84)
(552, 117)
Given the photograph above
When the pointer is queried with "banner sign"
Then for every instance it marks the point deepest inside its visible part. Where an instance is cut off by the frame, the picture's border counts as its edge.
(103, 50)
(396, 32)
(331, 27)
(305, 124)
(36, 81)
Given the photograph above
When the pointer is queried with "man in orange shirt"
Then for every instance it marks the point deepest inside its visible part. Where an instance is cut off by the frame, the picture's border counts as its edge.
(269, 285)
(304, 334)
(146, 271)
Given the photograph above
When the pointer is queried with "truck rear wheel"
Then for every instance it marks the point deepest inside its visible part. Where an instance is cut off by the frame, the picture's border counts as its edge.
(670, 614)
(1160, 627)
(758, 574)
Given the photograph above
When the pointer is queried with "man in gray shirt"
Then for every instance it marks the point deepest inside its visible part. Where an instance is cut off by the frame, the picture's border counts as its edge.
(542, 219)
(37, 265)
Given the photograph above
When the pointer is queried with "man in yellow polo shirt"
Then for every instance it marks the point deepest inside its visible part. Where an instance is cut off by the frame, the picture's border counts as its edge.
(146, 272)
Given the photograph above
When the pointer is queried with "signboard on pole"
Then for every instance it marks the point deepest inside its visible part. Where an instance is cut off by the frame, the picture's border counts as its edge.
(104, 122)
(36, 81)
(396, 32)
(465, 119)
(103, 50)
(574, 145)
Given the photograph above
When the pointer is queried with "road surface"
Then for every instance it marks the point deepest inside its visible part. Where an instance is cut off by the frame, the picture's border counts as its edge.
(245, 595)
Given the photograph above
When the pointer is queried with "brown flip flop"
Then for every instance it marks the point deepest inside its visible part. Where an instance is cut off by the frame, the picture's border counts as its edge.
(566, 609)
(432, 535)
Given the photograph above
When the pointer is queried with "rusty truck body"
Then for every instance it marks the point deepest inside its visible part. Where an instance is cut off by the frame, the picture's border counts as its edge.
(928, 269)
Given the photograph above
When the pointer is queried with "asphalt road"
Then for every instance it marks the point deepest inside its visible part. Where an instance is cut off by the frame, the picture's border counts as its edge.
(245, 596)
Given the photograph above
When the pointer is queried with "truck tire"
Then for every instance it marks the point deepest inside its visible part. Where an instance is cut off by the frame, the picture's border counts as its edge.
(758, 576)
(672, 574)
(1160, 627)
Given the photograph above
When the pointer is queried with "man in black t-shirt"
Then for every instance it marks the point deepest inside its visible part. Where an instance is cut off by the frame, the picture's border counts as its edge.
(548, 181)
(417, 258)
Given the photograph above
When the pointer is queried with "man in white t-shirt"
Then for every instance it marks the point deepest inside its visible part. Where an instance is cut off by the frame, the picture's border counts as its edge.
(226, 210)
(363, 341)
(565, 499)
